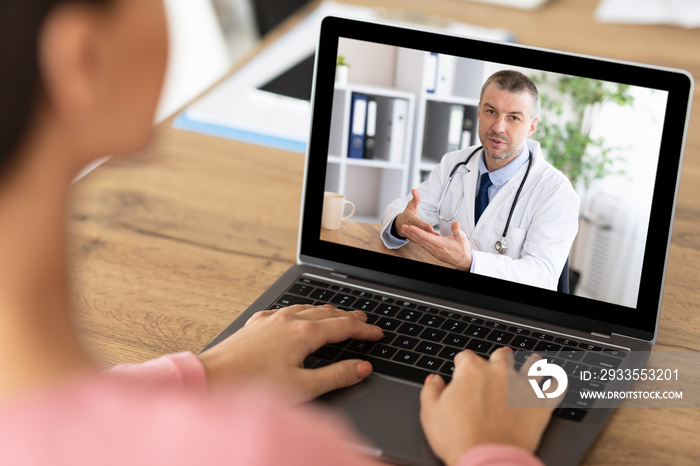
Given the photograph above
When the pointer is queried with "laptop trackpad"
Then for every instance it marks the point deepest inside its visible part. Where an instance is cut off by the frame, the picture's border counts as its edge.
(386, 412)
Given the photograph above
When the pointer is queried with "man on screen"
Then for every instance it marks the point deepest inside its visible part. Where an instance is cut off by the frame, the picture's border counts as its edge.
(502, 210)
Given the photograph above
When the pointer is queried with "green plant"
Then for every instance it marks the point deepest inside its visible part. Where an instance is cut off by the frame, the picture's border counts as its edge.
(341, 61)
(569, 105)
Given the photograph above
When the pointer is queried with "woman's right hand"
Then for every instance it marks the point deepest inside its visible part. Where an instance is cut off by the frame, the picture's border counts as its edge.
(473, 409)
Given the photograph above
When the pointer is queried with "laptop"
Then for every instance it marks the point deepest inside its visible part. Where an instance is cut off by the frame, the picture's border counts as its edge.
(419, 91)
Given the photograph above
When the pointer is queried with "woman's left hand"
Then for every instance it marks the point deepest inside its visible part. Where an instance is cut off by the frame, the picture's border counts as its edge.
(272, 346)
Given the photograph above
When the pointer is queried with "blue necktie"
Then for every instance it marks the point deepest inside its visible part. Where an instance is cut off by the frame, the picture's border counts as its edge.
(482, 197)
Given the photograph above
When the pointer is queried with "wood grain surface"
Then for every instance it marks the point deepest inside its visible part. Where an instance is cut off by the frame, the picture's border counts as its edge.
(170, 245)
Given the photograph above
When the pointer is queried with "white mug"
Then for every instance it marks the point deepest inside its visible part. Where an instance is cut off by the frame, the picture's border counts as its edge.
(333, 209)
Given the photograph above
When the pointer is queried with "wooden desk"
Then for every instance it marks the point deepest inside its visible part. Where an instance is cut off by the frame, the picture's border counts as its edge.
(168, 247)
(366, 236)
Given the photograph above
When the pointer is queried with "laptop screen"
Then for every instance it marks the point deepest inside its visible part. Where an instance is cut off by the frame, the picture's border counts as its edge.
(578, 213)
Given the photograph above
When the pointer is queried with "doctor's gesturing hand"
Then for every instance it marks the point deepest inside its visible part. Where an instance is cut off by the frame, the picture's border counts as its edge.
(409, 217)
(455, 249)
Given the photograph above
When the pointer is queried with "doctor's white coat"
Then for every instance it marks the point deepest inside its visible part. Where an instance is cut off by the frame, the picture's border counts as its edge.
(541, 231)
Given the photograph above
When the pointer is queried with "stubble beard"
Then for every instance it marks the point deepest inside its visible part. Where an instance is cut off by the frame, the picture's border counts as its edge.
(505, 155)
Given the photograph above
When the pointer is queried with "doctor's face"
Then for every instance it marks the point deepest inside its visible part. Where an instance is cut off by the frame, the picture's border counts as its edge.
(505, 122)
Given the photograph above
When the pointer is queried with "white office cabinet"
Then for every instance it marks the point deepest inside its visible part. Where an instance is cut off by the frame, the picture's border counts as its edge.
(612, 230)
(447, 92)
(370, 174)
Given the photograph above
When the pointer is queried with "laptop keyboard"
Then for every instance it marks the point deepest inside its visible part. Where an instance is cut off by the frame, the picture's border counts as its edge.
(420, 340)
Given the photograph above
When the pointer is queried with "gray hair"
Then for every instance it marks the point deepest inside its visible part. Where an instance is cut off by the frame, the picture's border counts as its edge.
(515, 82)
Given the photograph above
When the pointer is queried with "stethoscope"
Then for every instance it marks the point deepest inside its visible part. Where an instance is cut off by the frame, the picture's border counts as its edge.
(501, 245)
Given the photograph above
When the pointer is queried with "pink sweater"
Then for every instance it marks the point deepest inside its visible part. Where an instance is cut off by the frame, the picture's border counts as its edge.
(159, 413)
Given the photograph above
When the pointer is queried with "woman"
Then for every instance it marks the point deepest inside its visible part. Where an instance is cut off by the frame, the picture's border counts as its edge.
(81, 80)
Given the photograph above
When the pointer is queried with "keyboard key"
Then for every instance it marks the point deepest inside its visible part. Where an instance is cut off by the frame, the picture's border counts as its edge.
(322, 295)
(314, 283)
(477, 331)
(571, 354)
(343, 300)
(365, 305)
(616, 353)
(290, 300)
(383, 351)
(448, 368)
(411, 316)
(406, 304)
(387, 338)
(430, 309)
(387, 309)
(575, 399)
(454, 326)
(547, 347)
(589, 347)
(479, 346)
(432, 320)
(360, 346)
(386, 323)
(521, 356)
(449, 352)
(566, 342)
(600, 360)
(573, 414)
(362, 294)
(519, 330)
(406, 357)
(327, 352)
(429, 363)
(523, 343)
(433, 335)
(300, 289)
(496, 325)
(384, 299)
(456, 340)
(473, 320)
(450, 314)
(427, 347)
(408, 328)
(404, 342)
(341, 289)
(501, 338)
(557, 361)
(574, 368)
(542, 336)
(592, 386)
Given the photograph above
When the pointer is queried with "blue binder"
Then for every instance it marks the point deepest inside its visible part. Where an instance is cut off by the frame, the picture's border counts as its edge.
(358, 125)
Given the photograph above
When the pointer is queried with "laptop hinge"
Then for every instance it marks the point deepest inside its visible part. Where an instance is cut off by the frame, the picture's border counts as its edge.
(601, 329)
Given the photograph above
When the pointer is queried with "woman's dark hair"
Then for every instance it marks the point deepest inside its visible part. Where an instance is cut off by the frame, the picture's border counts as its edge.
(20, 83)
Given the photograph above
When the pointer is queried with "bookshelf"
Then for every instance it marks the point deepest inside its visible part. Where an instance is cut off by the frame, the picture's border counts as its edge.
(379, 177)
(440, 94)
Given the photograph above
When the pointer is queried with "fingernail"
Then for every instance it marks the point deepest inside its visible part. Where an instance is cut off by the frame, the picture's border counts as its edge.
(363, 369)
(362, 313)
(429, 378)
(508, 348)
